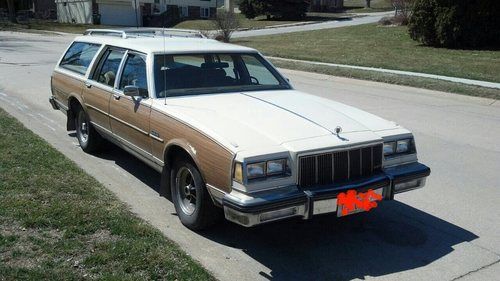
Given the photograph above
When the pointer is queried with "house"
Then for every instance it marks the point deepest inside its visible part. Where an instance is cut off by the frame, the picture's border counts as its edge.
(75, 11)
(228, 5)
(41, 6)
(19, 5)
(135, 12)
(121, 12)
(44, 9)
(326, 5)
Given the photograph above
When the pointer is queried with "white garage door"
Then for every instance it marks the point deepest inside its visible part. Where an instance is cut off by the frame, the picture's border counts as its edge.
(119, 15)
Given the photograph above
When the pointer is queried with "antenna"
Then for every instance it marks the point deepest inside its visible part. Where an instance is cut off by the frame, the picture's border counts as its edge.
(163, 68)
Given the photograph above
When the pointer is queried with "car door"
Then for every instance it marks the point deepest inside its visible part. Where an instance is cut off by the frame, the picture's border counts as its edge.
(100, 87)
(129, 116)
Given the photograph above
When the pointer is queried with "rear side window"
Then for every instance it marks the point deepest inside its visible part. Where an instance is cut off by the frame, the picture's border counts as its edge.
(79, 56)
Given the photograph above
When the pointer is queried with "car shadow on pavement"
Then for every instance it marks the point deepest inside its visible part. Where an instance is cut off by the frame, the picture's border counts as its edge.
(392, 238)
(132, 165)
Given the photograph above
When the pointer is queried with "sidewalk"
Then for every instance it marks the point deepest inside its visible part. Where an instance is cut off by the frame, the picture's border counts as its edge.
(485, 84)
(366, 18)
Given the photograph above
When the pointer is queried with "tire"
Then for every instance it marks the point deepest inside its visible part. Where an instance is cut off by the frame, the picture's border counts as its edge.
(88, 138)
(192, 202)
(165, 189)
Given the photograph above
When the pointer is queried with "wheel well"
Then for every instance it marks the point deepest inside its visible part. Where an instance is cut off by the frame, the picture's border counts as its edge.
(73, 105)
(172, 153)
(175, 152)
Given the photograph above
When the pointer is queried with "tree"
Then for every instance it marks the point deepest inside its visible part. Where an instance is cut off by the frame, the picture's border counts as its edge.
(456, 24)
(280, 9)
(226, 23)
(248, 9)
(368, 4)
(12, 11)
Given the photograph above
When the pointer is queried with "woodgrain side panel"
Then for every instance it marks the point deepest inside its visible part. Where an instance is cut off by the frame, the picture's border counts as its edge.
(130, 120)
(64, 85)
(97, 102)
(214, 161)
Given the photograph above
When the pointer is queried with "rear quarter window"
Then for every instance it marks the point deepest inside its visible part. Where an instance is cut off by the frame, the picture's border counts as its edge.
(79, 56)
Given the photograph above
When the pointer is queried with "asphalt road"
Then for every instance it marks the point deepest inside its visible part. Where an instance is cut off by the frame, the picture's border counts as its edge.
(363, 19)
(449, 230)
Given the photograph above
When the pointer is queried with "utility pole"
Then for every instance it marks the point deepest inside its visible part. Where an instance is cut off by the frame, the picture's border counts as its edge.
(229, 5)
(136, 16)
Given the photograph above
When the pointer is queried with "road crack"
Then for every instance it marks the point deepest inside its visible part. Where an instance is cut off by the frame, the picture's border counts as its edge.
(476, 270)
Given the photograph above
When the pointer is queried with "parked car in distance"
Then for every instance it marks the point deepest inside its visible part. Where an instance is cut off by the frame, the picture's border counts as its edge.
(228, 133)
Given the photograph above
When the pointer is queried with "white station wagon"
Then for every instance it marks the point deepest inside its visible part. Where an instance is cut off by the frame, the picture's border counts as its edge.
(227, 131)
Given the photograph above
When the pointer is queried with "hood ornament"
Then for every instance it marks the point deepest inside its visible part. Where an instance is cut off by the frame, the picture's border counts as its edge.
(338, 130)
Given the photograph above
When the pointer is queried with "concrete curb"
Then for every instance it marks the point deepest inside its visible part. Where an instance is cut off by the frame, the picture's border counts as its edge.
(480, 83)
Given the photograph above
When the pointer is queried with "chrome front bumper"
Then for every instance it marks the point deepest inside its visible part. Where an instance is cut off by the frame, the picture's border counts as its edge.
(291, 201)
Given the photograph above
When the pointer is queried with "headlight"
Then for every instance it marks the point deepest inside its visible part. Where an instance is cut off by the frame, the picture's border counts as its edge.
(261, 170)
(404, 146)
(256, 170)
(276, 167)
(389, 148)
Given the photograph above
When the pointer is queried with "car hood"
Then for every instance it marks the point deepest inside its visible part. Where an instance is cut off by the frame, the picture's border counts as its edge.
(253, 120)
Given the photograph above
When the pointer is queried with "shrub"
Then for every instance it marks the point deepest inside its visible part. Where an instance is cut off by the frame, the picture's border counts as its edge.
(385, 21)
(281, 9)
(226, 23)
(456, 23)
(396, 20)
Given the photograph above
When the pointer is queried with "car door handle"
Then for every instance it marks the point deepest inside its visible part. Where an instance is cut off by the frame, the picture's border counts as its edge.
(117, 97)
(88, 85)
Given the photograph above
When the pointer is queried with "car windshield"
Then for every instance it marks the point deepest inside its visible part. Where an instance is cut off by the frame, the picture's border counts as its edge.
(196, 74)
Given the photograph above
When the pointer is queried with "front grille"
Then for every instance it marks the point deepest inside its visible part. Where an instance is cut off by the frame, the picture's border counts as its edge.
(339, 166)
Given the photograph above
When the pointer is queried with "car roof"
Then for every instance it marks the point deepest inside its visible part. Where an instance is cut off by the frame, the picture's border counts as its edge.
(161, 44)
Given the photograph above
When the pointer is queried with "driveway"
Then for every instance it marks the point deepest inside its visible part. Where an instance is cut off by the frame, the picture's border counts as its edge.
(449, 230)
(364, 18)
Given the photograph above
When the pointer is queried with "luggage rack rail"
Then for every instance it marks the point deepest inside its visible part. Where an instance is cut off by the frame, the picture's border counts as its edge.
(145, 32)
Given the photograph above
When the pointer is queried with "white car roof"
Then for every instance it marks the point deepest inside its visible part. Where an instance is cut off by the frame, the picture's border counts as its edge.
(162, 44)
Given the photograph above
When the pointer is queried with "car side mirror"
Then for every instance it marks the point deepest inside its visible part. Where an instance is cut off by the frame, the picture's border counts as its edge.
(131, 91)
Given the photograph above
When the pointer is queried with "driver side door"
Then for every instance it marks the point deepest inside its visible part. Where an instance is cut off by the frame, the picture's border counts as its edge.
(129, 116)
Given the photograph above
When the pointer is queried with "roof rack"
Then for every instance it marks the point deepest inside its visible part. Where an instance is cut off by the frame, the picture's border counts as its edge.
(145, 32)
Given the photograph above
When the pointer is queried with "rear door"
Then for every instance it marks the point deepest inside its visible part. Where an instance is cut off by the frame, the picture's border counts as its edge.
(99, 87)
(129, 116)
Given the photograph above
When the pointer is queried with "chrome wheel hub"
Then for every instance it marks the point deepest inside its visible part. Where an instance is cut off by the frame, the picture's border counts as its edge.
(186, 190)
(83, 127)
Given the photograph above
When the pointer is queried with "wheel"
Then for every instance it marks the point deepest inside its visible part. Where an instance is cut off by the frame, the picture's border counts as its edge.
(88, 138)
(190, 196)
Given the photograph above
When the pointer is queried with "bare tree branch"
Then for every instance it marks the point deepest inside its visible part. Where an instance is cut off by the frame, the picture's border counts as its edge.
(226, 23)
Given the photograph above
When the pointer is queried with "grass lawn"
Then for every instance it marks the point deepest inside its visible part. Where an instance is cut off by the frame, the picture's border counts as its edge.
(358, 6)
(58, 223)
(206, 24)
(426, 83)
(200, 24)
(260, 22)
(377, 46)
